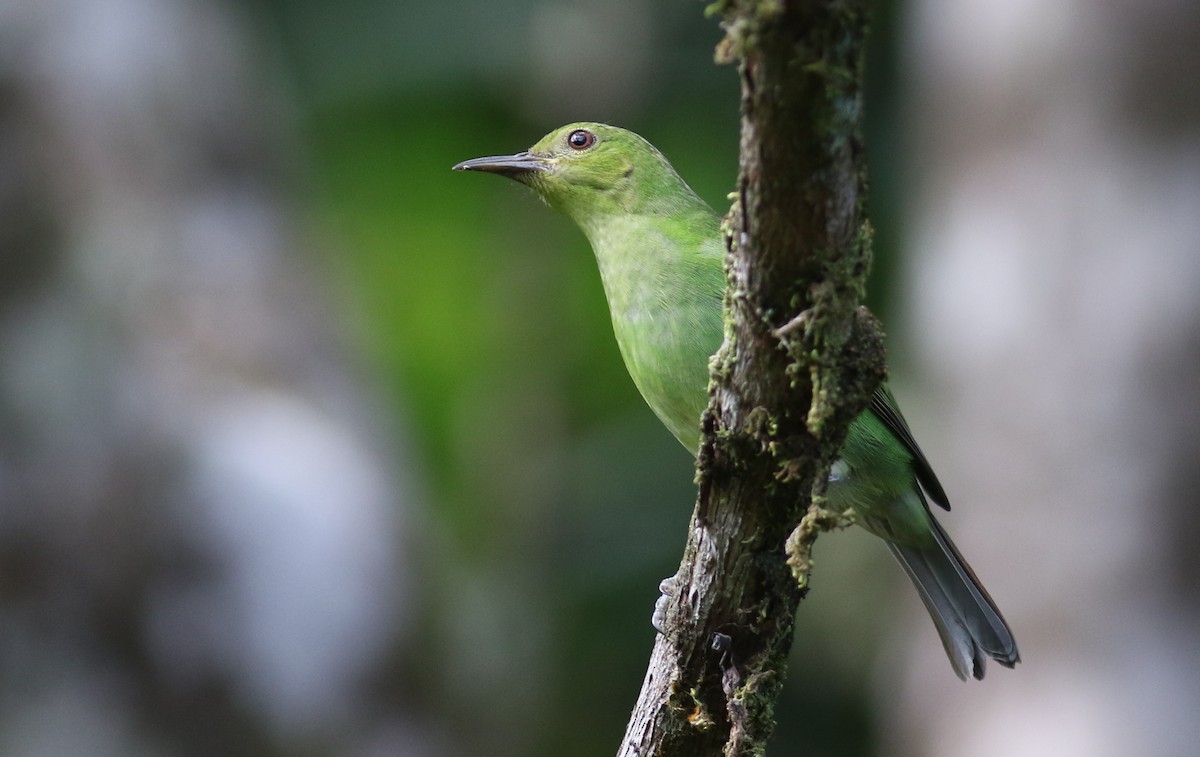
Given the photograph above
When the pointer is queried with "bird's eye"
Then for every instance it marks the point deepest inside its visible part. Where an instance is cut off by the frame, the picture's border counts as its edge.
(581, 139)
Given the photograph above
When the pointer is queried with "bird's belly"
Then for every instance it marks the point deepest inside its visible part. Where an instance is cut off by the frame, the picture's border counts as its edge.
(897, 516)
(675, 391)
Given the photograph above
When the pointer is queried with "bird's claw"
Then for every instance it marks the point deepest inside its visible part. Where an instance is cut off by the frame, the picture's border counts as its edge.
(666, 588)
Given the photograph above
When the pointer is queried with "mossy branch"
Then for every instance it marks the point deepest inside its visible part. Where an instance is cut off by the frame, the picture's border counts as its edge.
(799, 362)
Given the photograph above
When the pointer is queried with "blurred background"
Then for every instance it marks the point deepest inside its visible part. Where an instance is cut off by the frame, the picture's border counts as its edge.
(309, 446)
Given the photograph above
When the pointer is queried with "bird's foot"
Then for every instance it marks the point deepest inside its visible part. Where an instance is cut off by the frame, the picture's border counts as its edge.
(667, 589)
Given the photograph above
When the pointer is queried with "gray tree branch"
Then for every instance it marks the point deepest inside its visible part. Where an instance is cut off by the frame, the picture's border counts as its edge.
(799, 362)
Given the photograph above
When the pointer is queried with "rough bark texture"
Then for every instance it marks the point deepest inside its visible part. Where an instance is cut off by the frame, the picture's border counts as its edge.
(800, 360)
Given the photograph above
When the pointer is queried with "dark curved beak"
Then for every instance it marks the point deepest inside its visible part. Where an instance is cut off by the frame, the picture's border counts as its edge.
(505, 165)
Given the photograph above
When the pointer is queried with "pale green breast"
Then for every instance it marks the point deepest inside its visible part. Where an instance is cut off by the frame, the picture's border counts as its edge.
(665, 282)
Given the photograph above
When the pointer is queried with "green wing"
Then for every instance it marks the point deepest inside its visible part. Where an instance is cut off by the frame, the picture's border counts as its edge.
(883, 404)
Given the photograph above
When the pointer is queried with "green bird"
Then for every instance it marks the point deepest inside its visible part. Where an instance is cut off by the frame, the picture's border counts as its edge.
(660, 253)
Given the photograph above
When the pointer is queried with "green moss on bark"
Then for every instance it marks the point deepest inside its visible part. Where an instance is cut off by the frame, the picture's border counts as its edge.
(799, 362)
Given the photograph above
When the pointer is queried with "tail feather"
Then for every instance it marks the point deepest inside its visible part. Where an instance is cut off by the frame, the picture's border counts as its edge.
(967, 620)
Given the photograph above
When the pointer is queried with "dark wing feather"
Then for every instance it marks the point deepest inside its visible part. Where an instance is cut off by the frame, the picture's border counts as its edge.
(885, 408)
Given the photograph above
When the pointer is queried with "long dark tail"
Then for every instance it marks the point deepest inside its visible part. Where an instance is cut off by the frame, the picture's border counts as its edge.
(967, 619)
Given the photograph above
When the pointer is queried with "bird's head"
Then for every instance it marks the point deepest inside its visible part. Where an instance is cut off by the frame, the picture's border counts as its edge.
(588, 170)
